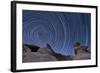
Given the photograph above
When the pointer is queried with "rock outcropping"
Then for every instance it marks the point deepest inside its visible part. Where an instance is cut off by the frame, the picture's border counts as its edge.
(33, 53)
(37, 54)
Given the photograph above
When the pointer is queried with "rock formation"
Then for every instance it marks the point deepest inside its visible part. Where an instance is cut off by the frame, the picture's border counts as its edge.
(33, 53)
(81, 52)
(37, 55)
(42, 54)
(32, 47)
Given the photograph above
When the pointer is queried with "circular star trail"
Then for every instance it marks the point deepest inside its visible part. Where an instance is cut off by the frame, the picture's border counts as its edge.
(59, 29)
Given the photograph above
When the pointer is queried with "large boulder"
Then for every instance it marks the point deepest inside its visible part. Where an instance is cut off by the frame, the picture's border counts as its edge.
(42, 55)
(82, 54)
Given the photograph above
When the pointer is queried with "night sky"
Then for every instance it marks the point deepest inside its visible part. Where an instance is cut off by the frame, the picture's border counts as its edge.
(59, 29)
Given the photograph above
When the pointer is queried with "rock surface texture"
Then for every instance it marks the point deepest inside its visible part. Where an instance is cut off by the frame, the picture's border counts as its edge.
(47, 54)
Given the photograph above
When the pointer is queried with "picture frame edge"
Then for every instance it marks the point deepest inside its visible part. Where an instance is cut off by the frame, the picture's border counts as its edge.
(13, 35)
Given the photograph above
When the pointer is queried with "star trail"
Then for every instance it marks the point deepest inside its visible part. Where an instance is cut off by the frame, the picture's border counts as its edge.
(59, 29)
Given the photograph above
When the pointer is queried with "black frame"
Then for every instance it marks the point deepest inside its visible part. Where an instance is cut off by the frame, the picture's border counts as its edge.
(13, 34)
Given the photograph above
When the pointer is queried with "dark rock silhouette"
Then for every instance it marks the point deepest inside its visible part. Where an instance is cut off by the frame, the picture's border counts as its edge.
(32, 47)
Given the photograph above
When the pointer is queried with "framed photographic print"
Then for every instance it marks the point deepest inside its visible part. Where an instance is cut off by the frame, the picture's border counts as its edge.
(47, 36)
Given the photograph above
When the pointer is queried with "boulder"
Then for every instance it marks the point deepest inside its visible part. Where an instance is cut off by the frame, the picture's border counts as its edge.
(32, 47)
